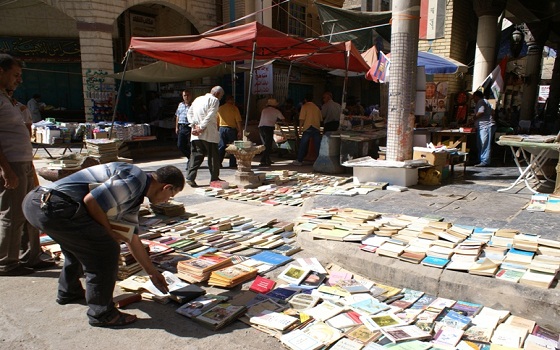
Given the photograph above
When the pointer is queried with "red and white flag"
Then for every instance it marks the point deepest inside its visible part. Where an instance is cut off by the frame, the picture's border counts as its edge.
(432, 19)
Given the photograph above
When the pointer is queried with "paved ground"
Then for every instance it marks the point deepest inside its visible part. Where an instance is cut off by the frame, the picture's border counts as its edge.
(32, 319)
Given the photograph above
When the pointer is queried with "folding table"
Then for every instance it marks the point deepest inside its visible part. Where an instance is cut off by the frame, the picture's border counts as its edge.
(529, 158)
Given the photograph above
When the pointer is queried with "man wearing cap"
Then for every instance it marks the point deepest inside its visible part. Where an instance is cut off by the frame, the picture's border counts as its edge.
(230, 128)
(269, 115)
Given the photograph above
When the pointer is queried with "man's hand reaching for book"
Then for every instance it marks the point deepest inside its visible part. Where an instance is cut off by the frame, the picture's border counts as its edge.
(159, 281)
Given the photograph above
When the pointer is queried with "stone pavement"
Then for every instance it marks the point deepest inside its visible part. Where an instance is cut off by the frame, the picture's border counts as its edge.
(34, 320)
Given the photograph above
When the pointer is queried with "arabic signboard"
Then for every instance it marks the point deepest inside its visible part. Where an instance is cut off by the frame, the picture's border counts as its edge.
(41, 49)
(262, 80)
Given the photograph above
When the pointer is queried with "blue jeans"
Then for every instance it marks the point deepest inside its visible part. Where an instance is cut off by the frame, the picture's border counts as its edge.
(227, 136)
(313, 133)
(85, 244)
(485, 137)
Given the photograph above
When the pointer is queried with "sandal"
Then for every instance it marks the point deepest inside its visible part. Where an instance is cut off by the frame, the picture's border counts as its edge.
(120, 319)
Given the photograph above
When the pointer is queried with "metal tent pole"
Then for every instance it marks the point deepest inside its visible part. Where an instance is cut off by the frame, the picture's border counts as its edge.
(126, 57)
(249, 93)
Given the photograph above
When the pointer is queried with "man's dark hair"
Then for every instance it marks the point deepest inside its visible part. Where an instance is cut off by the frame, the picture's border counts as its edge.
(7, 62)
(309, 97)
(170, 175)
(36, 96)
(478, 93)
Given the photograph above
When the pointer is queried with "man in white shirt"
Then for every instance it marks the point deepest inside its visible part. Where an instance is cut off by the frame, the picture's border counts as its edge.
(203, 118)
(331, 111)
(35, 107)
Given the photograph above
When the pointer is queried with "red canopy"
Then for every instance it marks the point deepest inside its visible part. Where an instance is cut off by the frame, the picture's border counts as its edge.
(334, 57)
(226, 45)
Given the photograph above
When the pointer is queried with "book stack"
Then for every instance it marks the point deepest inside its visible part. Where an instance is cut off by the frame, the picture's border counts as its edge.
(199, 269)
(220, 315)
(103, 150)
(128, 266)
(171, 208)
(231, 276)
(527, 242)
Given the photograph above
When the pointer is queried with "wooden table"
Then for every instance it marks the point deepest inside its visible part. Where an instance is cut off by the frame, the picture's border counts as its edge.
(529, 158)
(64, 146)
(457, 138)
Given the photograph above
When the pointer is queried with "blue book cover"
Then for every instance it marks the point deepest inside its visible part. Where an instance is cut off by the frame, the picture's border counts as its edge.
(207, 250)
(281, 293)
(484, 230)
(521, 252)
(436, 262)
(271, 258)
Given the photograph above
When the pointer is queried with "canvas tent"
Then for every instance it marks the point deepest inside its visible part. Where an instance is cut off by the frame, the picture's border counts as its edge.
(164, 72)
(365, 29)
(252, 40)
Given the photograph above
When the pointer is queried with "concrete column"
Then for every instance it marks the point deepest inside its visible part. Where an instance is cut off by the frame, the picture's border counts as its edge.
(535, 36)
(487, 31)
(402, 86)
(96, 46)
(552, 110)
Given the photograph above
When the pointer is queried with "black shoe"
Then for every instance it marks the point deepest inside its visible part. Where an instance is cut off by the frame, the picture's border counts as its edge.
(192, 183)
(71, 299)
(18, 271)
(43, 264)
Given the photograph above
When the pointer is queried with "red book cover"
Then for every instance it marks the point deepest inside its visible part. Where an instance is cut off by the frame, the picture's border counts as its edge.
(262, 285)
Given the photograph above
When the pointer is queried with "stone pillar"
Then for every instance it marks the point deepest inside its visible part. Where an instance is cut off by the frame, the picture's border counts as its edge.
(487, 31)
(402, 86)
(552, 110)
(96, 46)
(535, 36)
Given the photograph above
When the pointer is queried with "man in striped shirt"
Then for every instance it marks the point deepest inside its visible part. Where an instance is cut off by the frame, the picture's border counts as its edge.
(75, 212)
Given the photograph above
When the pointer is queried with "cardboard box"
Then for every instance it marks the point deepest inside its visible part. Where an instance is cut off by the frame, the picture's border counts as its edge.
(394, 176)
(100, 135)
(434, 158)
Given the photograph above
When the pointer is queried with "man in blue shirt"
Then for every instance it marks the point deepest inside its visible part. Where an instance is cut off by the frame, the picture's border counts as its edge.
(182, 126)
(75, 212)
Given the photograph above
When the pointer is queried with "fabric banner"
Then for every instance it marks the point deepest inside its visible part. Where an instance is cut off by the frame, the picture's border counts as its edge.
(432, 19)
(494, 83)
(381, 73)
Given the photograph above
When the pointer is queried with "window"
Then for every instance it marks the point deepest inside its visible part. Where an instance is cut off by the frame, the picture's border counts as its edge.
(289, 18)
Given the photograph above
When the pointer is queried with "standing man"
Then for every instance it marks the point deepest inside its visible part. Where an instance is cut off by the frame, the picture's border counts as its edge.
(182, 126)
(485, 126)
(310, 123)
(36, 107)
(230, 128)
(203, 117)
(16, 176)
(330, 111)
(75, 211)
(269, 115)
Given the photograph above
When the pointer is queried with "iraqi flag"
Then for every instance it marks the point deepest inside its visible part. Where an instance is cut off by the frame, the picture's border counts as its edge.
(432, 19)
(493, 85)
